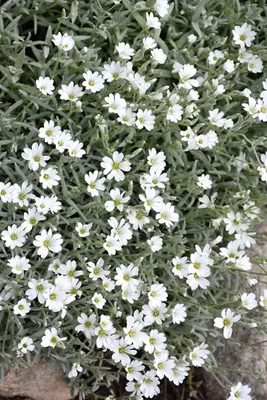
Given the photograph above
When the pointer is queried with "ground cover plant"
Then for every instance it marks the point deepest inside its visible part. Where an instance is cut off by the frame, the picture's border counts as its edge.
(133, 175)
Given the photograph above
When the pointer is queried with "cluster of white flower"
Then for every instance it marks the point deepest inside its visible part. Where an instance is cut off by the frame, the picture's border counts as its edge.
(111, 256)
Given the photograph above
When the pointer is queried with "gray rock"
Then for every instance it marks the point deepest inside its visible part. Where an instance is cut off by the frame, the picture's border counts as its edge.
(37, 382)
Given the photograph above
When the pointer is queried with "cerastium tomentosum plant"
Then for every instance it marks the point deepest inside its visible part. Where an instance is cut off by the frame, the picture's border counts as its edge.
(133, 174)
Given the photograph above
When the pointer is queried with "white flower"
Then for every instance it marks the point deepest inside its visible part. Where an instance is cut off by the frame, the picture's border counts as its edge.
(114, 167)
(125, 276)
(155, 341)
(174, 113)
(117, 201)
(192, 38)
(186, 73)
(150, 384)
(204, 181)
(45, 85)
(255, 64)
(164, 365)
(263, 173)
(108, 284)
(179, 314)
(145, 119)
(70, 92)
(180, 268)
(6, 195)
(138, 219)
(139, 83)
(64, 42)
(214, 56)
(229, 66)
(75, 369)
(134, 335)
(157, 294)
(193, 95)
(18, 264)
(244, 239)
(226, 322)
(55, 297)
(244, 263)
(134, 370)
(121, 351)
(14, 236)
(44, 204)
(37, 289)
(243, 35)
(263, 299)
(166, 214)
(154, 314)
(46, 242)
(211, 139)
(126, 117)
(155, 243)
(149, 43)
(120, 230)
(55, 266)
(199, 354)
(113, 71)
(240, 392)
(22, 194)
(22, 308)
(83, 230)
(251, 107)
(62, 140)
(249, 301)
(159, 56)
(25, 345)
(162, 7)
(95, 183)
(125, 51)
(104, 332)
(151, 199)
(49, 131)
(207, 202)
(93, 81)
(96, 270)
(69, 269)
(235, 223)
(112, 244)
(156, 160)
(51, 338)
(180, 371)
(131, 294)
(231, 252)
(115, 103)
(86, 325)
(49, 177)
(98, 301)
(199, 265)
(152, 21)
(262, 109)
(35, 156)
(216, 117)
(195, 281)
(75, 149)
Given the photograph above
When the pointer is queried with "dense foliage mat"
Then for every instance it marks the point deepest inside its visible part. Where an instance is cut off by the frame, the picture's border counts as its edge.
(133, 174)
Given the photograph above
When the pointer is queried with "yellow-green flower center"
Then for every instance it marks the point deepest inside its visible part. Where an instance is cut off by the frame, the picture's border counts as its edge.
(116, 166)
